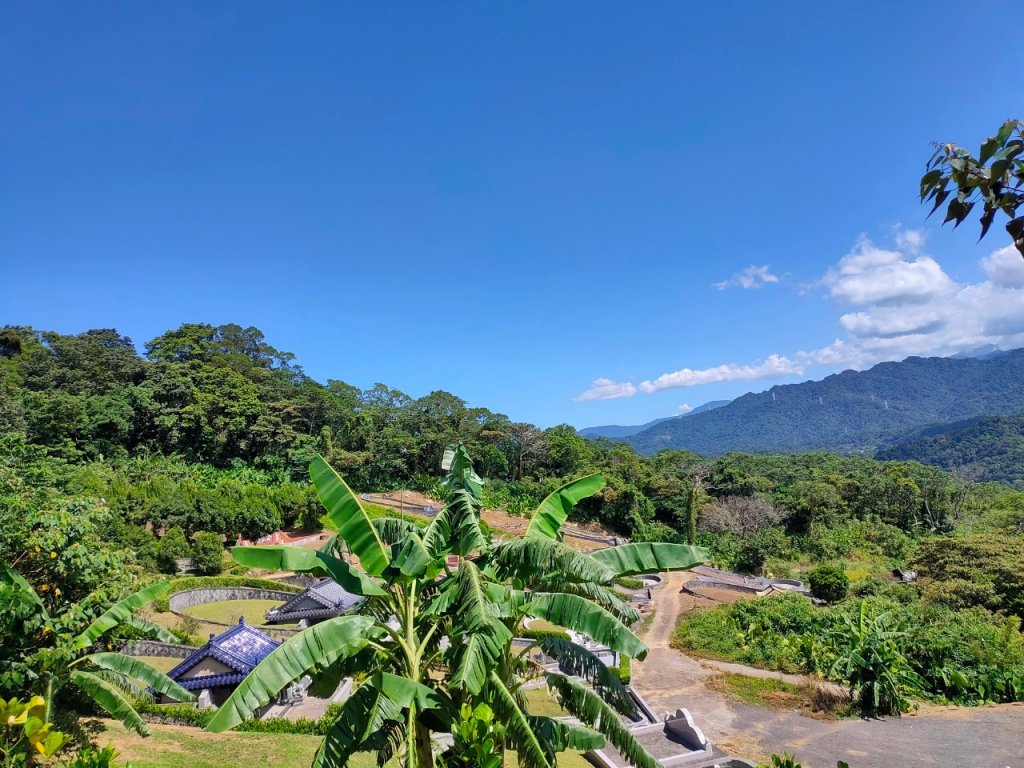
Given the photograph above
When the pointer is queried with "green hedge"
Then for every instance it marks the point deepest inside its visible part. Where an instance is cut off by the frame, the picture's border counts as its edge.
(624, 669)
(542, 634)
(188, 715)
(214, 582)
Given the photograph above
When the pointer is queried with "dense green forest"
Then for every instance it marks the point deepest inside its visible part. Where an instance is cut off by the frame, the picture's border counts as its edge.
(989, 448)
(849, 412)
(212, 427)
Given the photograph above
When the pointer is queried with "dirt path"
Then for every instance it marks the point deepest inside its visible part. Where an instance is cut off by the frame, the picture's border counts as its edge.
(949, 737)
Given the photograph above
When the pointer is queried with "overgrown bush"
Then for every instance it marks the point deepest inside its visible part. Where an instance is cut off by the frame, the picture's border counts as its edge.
(171, 548)
(207, 553)
(829, 583)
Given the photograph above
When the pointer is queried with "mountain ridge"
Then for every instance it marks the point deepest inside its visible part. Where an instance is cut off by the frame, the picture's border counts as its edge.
(853, 412)
(617, 432)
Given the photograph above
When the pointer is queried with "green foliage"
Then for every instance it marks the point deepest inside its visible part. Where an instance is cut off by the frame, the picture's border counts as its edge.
(829, 583)
(207, 553)
(964, 656)
(26, 736)
(995, 178)
(172, 547)
(477, 740)
(869, 657)
(980, 569)
(185, 583)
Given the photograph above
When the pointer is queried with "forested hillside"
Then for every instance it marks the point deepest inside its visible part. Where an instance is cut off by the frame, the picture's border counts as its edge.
(989, 448)
(850, 412)
(213, 428)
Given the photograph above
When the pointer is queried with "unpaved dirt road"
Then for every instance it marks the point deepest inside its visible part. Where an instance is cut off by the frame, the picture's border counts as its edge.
(947, 737)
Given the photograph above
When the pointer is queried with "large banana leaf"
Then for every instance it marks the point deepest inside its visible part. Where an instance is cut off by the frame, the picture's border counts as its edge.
(412, 559)
(364, 716)
(10, 576)
(604, 596)
(310, 651)
(581, 615)
(588, 707)
(152, 630)
(650, 557)
(119, 613)
(577, 661)
(140, 670)
(477, 655)
(393, 529)
(108, 698)
(554, 510)
(305, 560)
(558, 736)
(456, 528)
(348, 515)
(532, 753)
(535, 558)
(460, 473)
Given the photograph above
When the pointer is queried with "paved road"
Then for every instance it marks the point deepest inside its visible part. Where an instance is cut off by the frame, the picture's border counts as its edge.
(953, 737)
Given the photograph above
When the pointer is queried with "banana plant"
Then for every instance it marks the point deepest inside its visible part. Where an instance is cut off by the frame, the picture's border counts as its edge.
(435, 631)
(110, 679)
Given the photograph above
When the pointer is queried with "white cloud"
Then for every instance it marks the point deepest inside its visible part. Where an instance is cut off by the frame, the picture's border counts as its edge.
(606, 389)
(772, 367)
(1005, 267)
(909, 240)
(895, 303)
(684, 408)
(751, 277)
(873, 275)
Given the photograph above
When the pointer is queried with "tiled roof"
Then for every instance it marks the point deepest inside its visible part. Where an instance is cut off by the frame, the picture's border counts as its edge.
(327, 593)
(241, 648)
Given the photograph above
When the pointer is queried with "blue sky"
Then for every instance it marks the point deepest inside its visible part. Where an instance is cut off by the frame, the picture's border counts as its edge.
(509, 201)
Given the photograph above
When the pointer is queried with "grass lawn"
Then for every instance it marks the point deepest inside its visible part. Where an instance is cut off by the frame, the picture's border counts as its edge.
(162, 663)
(540, 702)
(172, 746)
(228, 611)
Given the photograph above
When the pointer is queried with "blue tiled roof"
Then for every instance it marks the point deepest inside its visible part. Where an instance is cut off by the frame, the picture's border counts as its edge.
(241, 648)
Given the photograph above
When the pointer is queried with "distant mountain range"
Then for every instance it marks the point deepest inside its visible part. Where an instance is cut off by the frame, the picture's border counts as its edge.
(616, 432)
(849, 412)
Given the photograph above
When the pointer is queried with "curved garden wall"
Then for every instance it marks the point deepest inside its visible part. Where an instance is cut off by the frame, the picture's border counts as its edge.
(190, 597)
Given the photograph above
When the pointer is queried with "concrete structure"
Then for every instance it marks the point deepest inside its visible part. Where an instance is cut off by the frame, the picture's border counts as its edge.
(322, 600)
(676, 741)
(714, 578)
(218, 667)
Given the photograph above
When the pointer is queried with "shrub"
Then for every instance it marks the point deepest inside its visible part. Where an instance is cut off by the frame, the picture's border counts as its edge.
(186, 583)
(170, 549)
(829, 583)
(207, 553)
(624, 669)
(543, 634)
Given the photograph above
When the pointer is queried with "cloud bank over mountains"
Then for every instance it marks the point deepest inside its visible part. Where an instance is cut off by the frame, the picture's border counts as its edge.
(893, 303)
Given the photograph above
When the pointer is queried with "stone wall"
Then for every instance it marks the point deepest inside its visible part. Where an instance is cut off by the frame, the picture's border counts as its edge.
(191, 597)
(156, 648)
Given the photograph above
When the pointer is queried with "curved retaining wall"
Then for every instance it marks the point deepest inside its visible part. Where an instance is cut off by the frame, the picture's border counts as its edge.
(190, 597)
(156, 648)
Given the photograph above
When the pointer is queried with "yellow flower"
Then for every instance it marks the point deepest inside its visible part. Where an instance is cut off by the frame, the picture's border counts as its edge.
(43, 587)
(56, 591)
(37, 549)
(53, 555)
